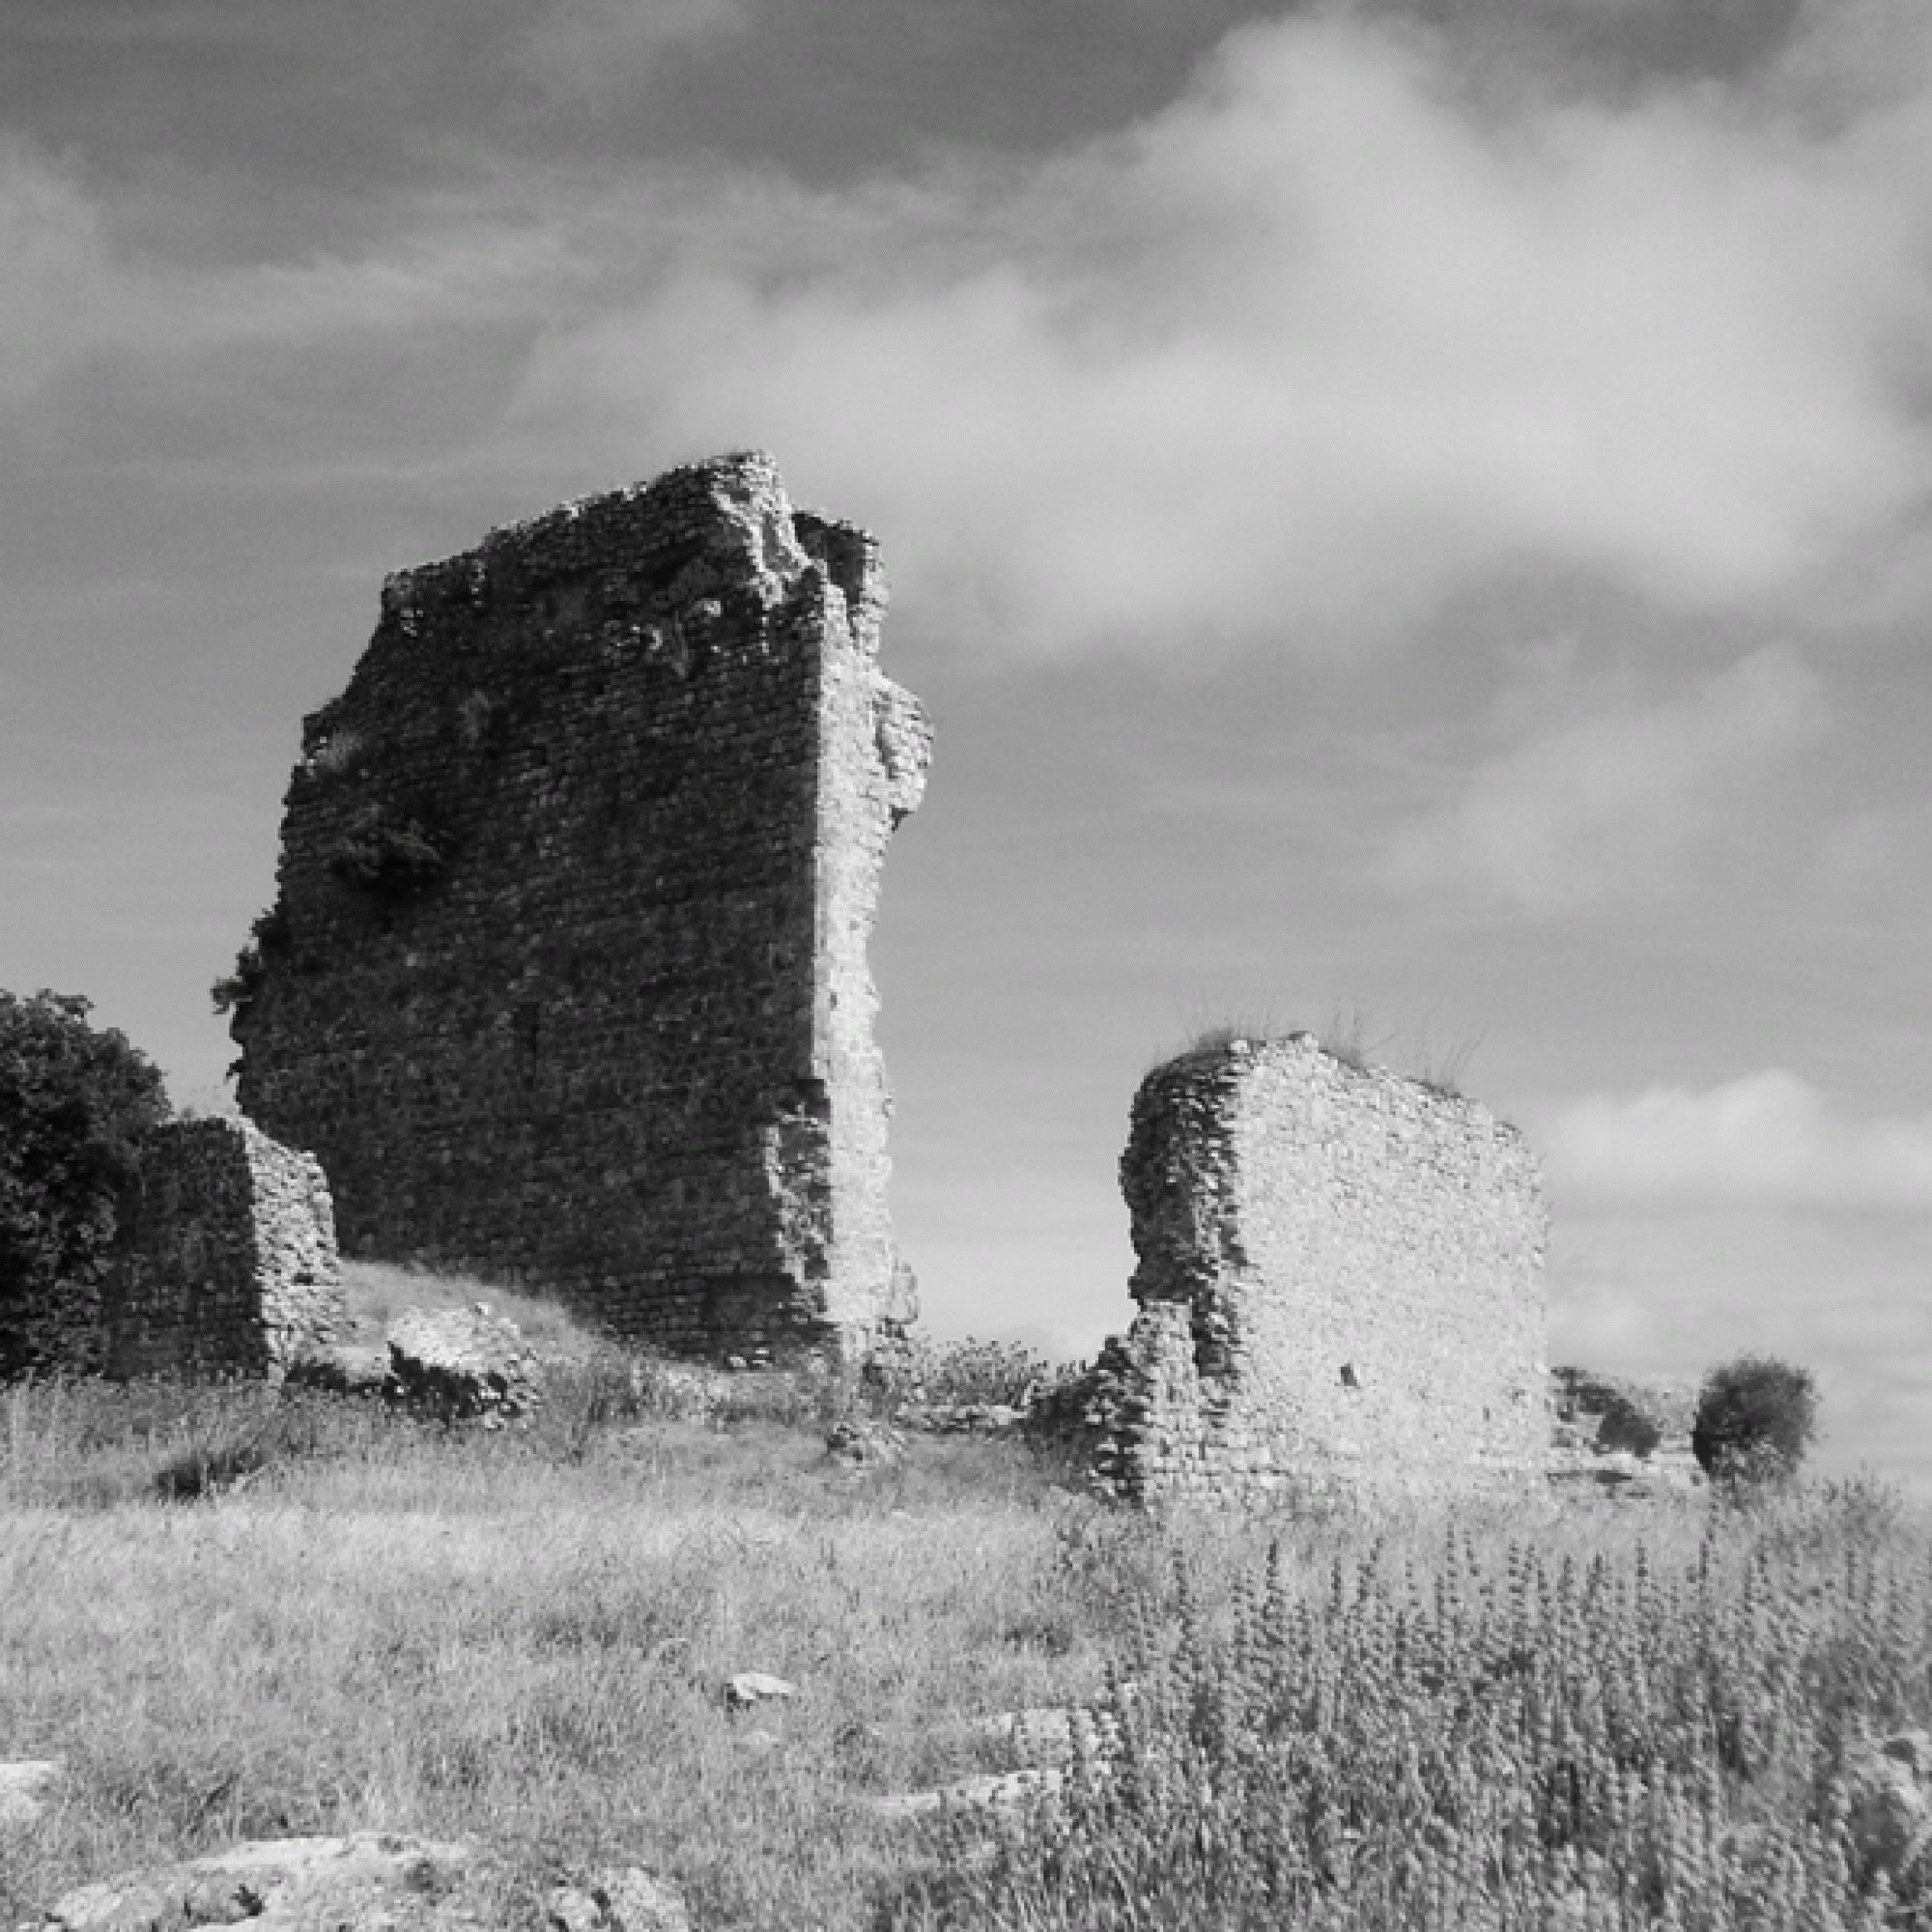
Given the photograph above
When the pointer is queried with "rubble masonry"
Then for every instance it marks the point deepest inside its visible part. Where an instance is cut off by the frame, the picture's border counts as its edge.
(225, 1262)
(566, 979)
(1340, 1285)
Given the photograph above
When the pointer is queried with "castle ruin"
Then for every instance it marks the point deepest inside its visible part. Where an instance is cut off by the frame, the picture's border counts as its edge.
(225, 1259)
(565, 980)
(1340, 1285)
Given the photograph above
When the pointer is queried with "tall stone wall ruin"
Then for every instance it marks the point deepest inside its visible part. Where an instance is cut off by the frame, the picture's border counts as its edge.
(1340, 1285)
(566, 978)
(225, 1262)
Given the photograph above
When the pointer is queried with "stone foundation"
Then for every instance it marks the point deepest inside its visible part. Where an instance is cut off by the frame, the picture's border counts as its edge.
(1340, 1285)
(226, 1263)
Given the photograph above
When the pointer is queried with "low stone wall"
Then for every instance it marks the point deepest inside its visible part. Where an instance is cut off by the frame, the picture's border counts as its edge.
(227, 1261)
(1340, 1285)
(1626, 1434)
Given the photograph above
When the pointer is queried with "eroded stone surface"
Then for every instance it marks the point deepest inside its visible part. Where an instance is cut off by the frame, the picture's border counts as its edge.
(566, 978)
(364, 1882)
(1340, 1285)
(226, 1261)
(619, 1900)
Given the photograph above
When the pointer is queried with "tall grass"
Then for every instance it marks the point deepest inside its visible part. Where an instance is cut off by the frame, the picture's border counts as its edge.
(1529, 1736)
(521, 1635)
(1409, 1718)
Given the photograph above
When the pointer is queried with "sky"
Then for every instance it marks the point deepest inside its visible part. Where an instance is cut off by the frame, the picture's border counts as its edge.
(1413, 516)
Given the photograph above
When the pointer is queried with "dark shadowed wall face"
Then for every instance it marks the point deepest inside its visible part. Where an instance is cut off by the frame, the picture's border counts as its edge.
(227, 1264)
(566, 979)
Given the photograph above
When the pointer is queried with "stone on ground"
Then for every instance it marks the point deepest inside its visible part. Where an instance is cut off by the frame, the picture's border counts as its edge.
(1889, 1784)
(861, 1445)
(25, 1783)
(755, 1687)
(365, 1882)
(619, 1900)
(990, 1791)
(461, 1364)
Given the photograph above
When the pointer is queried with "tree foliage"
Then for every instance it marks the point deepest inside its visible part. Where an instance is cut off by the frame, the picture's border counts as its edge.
(1756, 1417)
(74, 1104)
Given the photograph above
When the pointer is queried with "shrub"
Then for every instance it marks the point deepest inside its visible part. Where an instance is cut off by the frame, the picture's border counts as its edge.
(73, 1105)
(267, 936)
(923, 1371)
(1756, 1417)
(391, 857)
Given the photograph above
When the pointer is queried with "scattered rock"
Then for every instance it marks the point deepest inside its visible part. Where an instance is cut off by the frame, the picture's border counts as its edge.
(992, 1791)
(864, 1444)
(23, 1786)
(1890, 1785)
(366, 1882)
(619, 1900)
(755, 1687)
(461, 1364)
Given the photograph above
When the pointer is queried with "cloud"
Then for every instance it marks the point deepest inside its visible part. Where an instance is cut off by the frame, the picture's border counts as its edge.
(588, 50)
(1769, 1139)
(1288, 363)
(1610, 807)
(1311, 349)
(80, 289)
(50, 297)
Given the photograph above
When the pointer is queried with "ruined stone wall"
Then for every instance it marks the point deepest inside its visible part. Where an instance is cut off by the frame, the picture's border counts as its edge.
(566, 979)
(226, 1261)
(1628, 1436)
(1340, 1285)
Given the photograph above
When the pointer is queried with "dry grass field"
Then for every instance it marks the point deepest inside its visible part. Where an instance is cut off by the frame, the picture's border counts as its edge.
(237, 1616)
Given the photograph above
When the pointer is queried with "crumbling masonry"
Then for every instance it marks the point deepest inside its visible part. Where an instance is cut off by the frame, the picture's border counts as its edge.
(1339, 1280)
(566, 978)
(225, 1261)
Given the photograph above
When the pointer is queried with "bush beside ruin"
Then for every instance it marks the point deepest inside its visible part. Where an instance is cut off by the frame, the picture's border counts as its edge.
(75, 1103)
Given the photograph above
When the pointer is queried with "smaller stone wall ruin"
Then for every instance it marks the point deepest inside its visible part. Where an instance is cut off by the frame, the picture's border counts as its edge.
(226, 1263)
(1340, 1285)
(1627, 1435)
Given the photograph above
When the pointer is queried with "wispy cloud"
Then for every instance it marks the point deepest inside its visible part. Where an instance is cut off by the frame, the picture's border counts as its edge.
(1287, 362)
(1320, 342)
(1610, 805)
(586, 51)
(79, 290)
(1768, 1138)
(56, 272)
